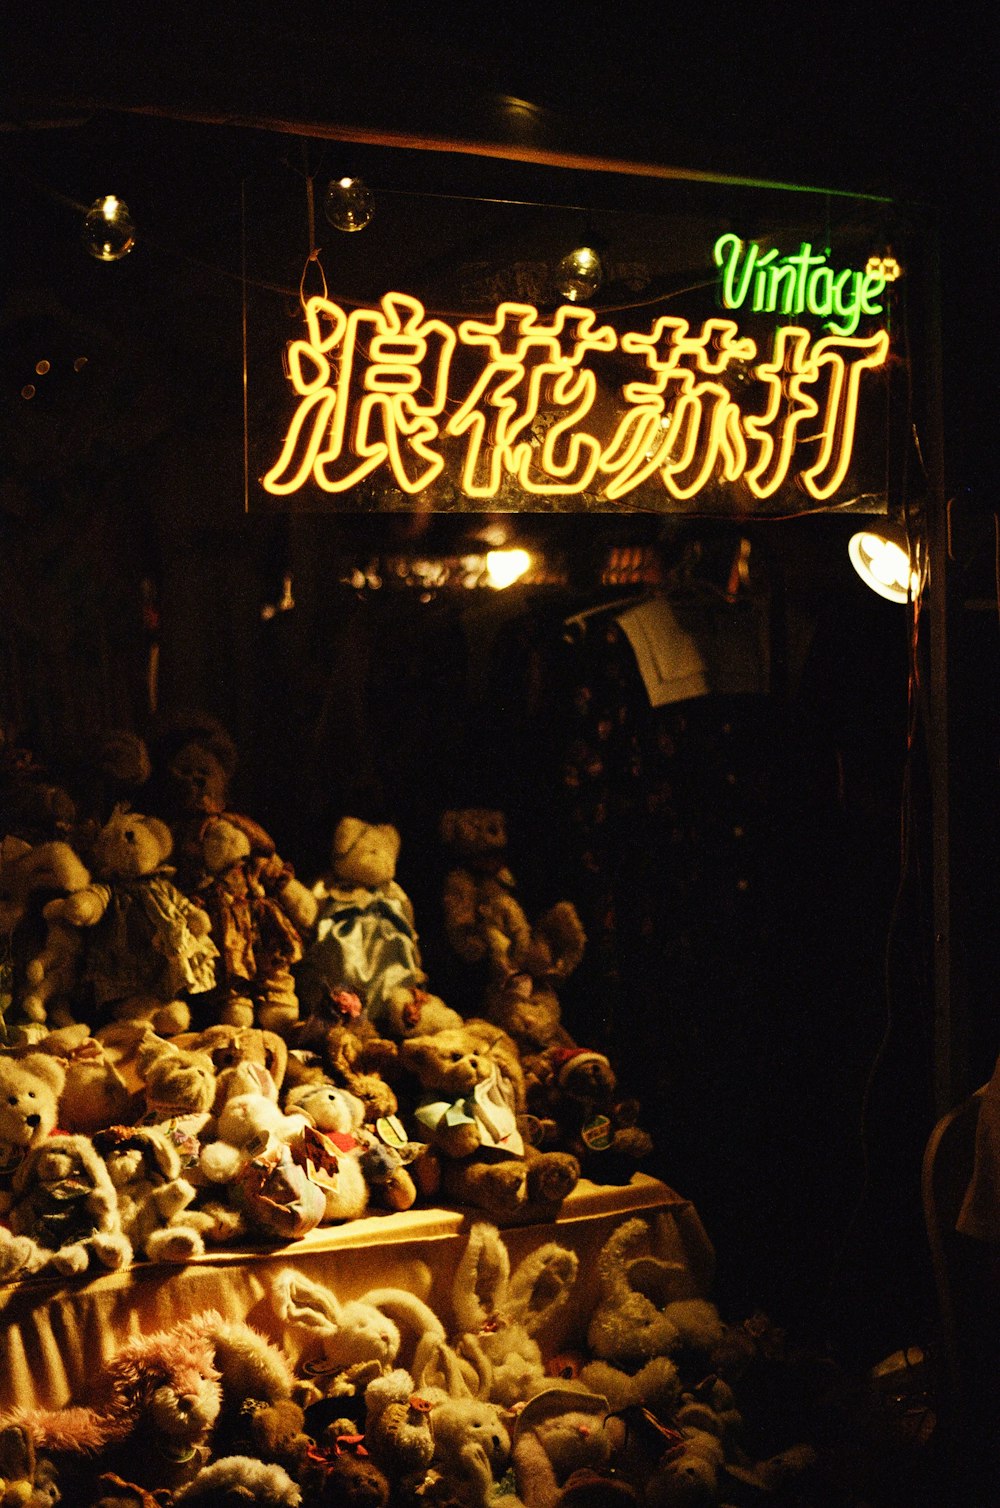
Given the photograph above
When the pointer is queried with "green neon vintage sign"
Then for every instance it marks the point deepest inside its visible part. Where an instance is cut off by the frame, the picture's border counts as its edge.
(796, 284)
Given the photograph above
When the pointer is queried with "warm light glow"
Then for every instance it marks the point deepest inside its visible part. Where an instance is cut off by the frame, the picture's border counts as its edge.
(504, 567)
(882, 560)
(385, 388)
(108, 231)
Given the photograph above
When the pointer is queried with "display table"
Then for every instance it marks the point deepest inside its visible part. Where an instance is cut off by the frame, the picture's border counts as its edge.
(54, 1335)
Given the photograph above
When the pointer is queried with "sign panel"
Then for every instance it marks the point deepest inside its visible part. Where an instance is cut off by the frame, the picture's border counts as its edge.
(719, 367)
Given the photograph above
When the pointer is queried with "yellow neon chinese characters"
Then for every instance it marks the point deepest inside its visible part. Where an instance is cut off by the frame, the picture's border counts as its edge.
(527, 396)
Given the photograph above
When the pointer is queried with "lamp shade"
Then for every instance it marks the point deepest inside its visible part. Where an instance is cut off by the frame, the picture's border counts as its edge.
(882, 558)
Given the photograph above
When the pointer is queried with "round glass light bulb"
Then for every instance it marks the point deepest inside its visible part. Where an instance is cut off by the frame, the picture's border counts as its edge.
(504, 567)
(108, 229)
(348, 204)
(884, 565)
(579, 275)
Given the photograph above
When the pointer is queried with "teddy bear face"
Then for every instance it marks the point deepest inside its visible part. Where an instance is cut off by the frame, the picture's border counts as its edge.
(130, 845)
(475, 832)
(329, 1107)
(365, 853)
(223, 844)
(179, 1080)
(29, 1099)
(198, 778)
(449, 1061)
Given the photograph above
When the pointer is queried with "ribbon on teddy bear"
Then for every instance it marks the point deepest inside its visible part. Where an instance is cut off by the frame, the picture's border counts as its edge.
(490, 1107)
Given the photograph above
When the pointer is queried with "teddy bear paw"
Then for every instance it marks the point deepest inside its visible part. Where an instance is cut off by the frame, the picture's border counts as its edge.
(179, 1245)
(70, 1260)
(237, 1011)
(172, 1019)
(113, 1252)
(552, 1176)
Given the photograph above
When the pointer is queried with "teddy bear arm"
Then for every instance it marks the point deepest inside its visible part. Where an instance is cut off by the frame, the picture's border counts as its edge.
(461, 917)
(84, 908)
(173, 1197)
(534, 1473)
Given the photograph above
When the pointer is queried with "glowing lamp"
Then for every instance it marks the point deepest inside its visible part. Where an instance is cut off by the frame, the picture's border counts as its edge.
(348, 204)
(108, 230)
(881, 557)
(504, 567)
(579, 275)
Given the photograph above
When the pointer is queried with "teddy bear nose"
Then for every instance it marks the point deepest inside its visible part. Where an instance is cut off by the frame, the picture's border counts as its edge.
(584, 1430)
(32, 1120)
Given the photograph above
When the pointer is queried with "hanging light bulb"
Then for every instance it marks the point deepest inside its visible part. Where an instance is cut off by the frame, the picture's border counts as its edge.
(108, 229)
(348, 204)
(881, 556)
(579, 275)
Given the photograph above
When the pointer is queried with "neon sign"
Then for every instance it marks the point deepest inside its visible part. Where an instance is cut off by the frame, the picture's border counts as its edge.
(799, 283)
(527, 395)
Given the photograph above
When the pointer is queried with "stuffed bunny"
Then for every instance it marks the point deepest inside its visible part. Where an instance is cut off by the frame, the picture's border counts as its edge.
(500, 1314)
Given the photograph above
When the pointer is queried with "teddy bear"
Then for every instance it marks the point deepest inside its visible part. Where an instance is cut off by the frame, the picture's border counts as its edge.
(484, 922)
(472, 1095)
(233, 1481)
(95, 1093)
(179, 1092)
(350, 1049)
(366, 937)
(194, 760)
(241, 1056)
(565, 1434)
(500, 1314)
(65, 1204)
(572, 1091)
(157, 1400)
(471, 1448)
(45, 955)
(153, 1197)
(30, 1086)
(259, 913)
(383, 1151)
(147, 944)
(647, 1313)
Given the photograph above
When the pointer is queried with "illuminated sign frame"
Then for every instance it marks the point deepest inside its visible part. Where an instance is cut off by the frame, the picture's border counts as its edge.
(522, 397)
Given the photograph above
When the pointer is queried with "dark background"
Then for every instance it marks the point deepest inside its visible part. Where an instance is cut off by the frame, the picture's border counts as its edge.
(769, 998)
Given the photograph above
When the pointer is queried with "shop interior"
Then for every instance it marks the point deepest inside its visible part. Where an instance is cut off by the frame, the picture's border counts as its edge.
(753, 859)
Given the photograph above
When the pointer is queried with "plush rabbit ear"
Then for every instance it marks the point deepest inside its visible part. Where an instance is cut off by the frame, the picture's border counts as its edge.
(299, 1301)
(541, 1285)
(479, 1292)
(628, 1242)
(438, 1365)
(406, 1309)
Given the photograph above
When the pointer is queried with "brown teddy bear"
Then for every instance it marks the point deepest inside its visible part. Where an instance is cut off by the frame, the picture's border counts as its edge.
(366, 936)
(471, 1110)
(95, 1093)
(572, 1091)
(244, 1057)
(45, 953)
(350, 1049)
(65, 1203)
(147, 944)
(153, 1198)
(484, 921)
(259, 913)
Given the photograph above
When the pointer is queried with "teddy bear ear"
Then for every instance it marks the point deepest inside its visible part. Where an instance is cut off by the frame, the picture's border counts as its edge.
(449, 825)
(50, 1069)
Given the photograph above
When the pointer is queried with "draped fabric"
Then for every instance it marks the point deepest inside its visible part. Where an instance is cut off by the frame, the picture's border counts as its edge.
(54, 1335)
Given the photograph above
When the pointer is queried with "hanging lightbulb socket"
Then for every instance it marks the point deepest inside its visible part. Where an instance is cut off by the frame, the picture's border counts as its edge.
(348, 204)
(108, 229)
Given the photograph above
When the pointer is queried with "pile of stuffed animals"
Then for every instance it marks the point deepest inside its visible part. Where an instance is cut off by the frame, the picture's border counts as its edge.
(388, 1404)
(200, 1049)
